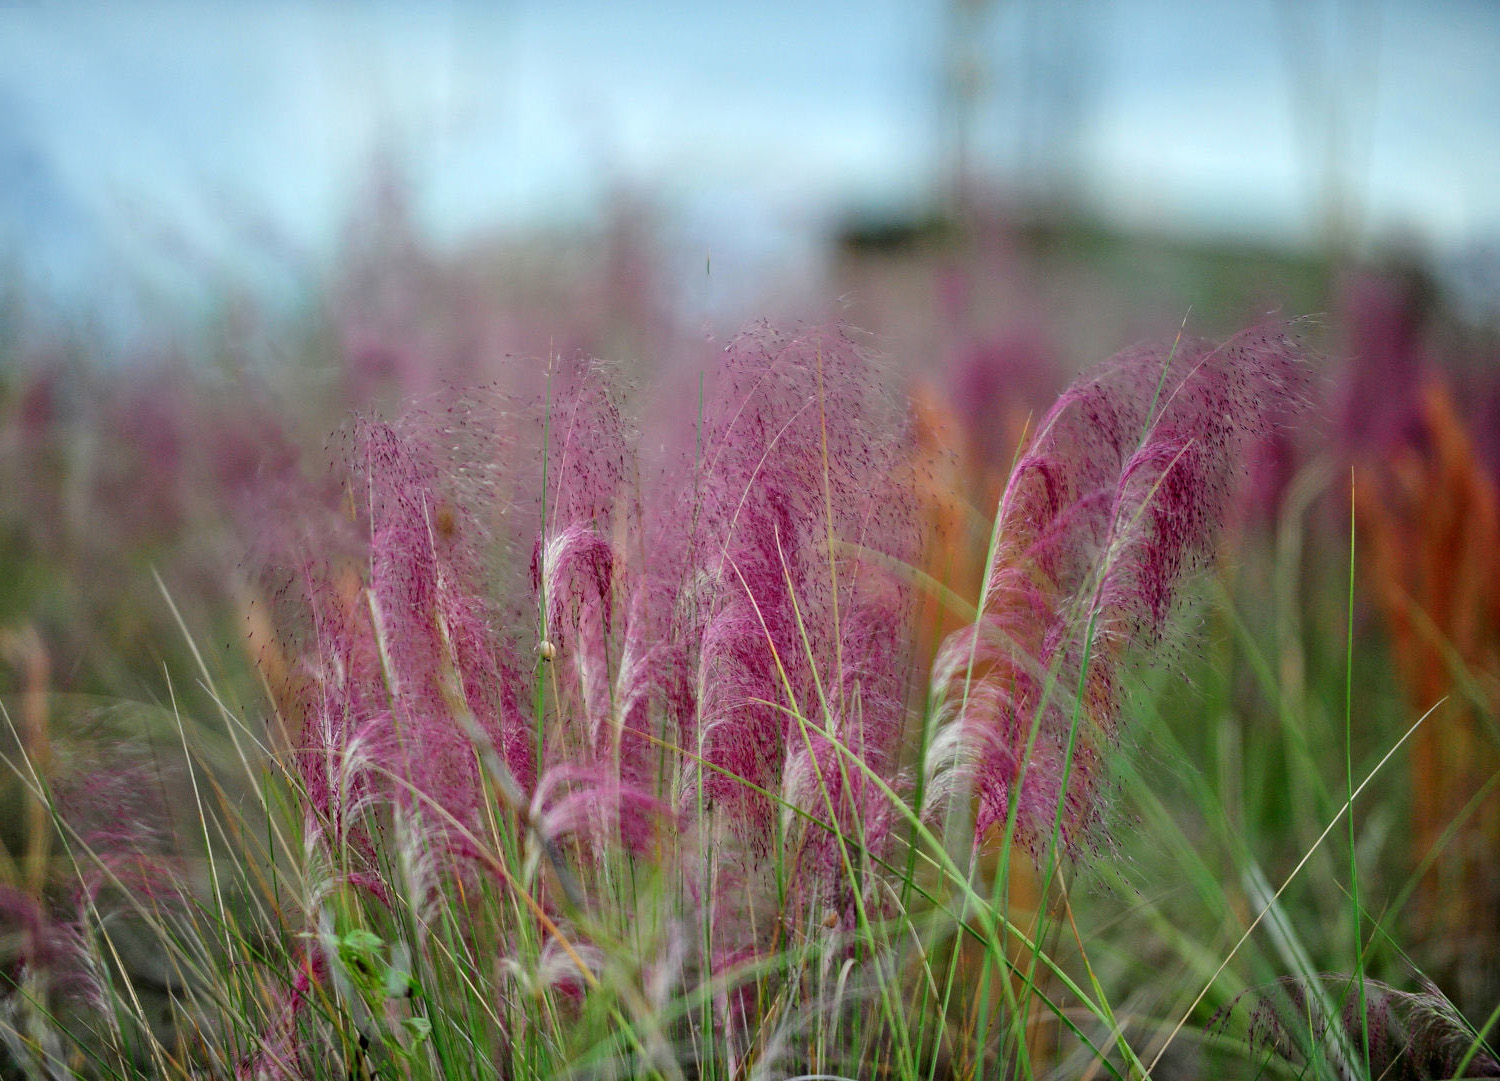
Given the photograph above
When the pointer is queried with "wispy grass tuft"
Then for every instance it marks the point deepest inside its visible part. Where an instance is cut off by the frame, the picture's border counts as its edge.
(594, 754)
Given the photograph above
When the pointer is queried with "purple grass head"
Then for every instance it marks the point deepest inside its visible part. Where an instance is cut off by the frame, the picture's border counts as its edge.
(278, 1052)
(1384, 318)
(589, 450)
(35, 945)
(405, 659)
(590, 803)
(995, 384)
(607, 584)
(1413, 1035)
(121, 806)
(573, 570)
(1119, 498)
(804, 507)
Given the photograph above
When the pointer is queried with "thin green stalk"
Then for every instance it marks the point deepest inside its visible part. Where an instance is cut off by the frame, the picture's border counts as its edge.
(1359, 948)
(1288, 881)
(892, 1012)
(1478, 1043)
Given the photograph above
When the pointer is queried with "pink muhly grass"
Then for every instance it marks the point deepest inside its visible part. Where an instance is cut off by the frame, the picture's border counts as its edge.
(607, 584)
(725, 652)
(994, 384)
(406, 659)
(28, 941)
(564, 969)
(1118, 499)
(120, 812)
(589, 450)
(278, 1053)
(35, 945)
(589, 803)
(1383, 319)
(799, 620)
(113, 806)
(1407, 1035)
(573, 573)
(573, 569)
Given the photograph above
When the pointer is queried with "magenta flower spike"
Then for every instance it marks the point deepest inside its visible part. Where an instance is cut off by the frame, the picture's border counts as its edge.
(1118, 499)
(802, 654)
(405, 657)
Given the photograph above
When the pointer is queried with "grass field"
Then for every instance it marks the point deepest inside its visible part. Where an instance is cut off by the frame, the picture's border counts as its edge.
(787, 709)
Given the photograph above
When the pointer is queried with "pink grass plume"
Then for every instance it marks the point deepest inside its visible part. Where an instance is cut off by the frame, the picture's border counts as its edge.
(1118, 499)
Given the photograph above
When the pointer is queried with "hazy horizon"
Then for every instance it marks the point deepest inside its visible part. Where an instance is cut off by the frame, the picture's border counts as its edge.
(156, 139)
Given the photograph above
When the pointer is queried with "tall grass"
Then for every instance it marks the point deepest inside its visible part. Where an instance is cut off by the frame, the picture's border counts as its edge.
(597, 753)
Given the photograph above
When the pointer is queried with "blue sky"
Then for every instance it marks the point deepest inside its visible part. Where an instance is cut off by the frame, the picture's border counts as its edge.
(138, 138)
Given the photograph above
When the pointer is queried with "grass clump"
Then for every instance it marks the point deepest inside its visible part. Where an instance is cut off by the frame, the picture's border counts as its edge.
(595, 754)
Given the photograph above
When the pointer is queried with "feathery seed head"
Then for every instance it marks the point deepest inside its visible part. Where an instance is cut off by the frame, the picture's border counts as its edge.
(1119, 497)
